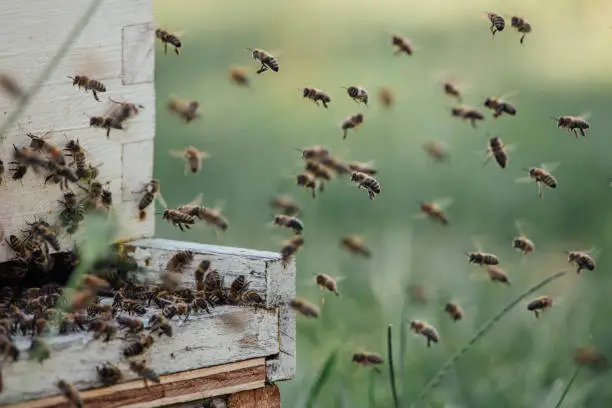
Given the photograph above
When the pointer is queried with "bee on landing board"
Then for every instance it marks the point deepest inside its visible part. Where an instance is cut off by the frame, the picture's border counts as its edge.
(499, 105)
(454, 311)
(574, 123)
(539, 304)
(316, 95)
(426, 330)
(109, 374)
(582, 259)
(39, 144)
(522, 26)
(386, 97)
(238, 76)
(436, 151)
(193, 158)
(368, 359)
(185, 109)
(497, 22)
(402, 45)
(140, 369)
(496, 149)
(355, 244)
(366, 182)
(180, 261)
(541, 176)
(167, 38)
(266, 60)
(435, 210)
(358, 94)
(467, 113)
(82, 81)
(522, 243)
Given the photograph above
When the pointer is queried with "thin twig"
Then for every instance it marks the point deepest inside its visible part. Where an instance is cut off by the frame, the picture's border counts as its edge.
(568, 386)
(391, 369)
(25, 100)
(437, 378)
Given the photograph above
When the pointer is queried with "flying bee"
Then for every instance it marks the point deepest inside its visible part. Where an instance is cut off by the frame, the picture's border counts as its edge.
(167, 38)
(591, 357)
(291, 222)
(574, 123)
(366, 182)
(320, 171)
(541, 176)
(454, 311)
(366, 168)
(266, 60)
(316, 95)
(339, 166)
(71, 394)
(497, 22)
(497, 149)
(467, 113)
(368, 359)
(286, 204)
(41, 145)
(187, 110)
(499, 105)
(497, 274)
(522, 26)
(105, 122)
(140, 368)
(82, 81)
(402, 45)
(193, 158)
(327, 282)
(358, 94)
(426, 330)
(522, 243)
(238, 76)
(290, 248)
(539, 304)
(386, 97)
(436, 151)
(356, 245)
(581, 259)
(109, 374)
(212, 216)
(452, 90)
(481, 258)
(435, 210)
(315, 152)
(308, 180)
(304, 307)
(179, 261)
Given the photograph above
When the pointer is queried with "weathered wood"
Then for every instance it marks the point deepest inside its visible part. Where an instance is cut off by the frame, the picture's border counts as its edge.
(173, 389)
(115, 48)
(266, 397)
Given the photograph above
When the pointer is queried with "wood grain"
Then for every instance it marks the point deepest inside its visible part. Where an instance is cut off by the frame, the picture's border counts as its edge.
(266, 397)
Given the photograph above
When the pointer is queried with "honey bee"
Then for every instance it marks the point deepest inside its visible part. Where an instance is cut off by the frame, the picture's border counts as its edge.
(238, 76)
(452, 90)
(356, 245)
(304, 307)
(193, 158)
(131, 306)
(317, 95)
(237, 288)
(211, 216)
(199, 274)
(467, 113)
(436, 151)
(358, 94)
(124, 110)
(177, 309)
(213, 284)
(590, 357)
(541, 176)
(366, 182)
(522, 26)
(187, 110)
(40, 145)
(291, 222)
(32, 158)
(152, 190)
(327, 282)
(497, 274)
(320, 171)
(482, 258)
(522, 243)
(102, 327)
(166, 38)
(11, 86)
(158, 323)
(109, 374)
(339, 166)
(435, 210)
(315, 152)
(366, 168)
(454, 311)
(574, 123)
(82, 81)
(138, 347)
(179, 219)
(402, 45)
(497, 22)
(286, 204)
(71, 394)
(308, 180)
(500, 106)
(539, 304)
(581, 259)
(368, 359)
(386, 97)
(105, 122)
(179, 261)
(266, 60)
(134, 325)
(498, 150)
(426, 330)
(290, 248)
(140, 368)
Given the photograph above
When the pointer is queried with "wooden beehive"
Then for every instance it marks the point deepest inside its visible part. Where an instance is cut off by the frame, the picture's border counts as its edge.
(209, 354)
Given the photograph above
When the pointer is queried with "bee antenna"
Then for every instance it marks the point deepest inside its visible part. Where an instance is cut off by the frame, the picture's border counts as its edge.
(250, 49)
(556, 119)
(69, 77)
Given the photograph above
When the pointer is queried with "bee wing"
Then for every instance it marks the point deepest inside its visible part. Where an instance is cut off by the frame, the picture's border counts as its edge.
(444, 203)
(203, 155)
(477, 242)
(197, 200)
(160, 198)
(585, 115)
(179, 154)
(525, 179)
(219, 206)
(508, 95)
(517, 223)
(550, 167)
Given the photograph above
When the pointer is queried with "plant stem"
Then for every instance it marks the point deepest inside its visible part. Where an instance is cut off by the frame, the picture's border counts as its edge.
(402, 354)
(25, 100)
(371, 391)
(324, 375)
(391, 369)
(437, 378)
(567, 387)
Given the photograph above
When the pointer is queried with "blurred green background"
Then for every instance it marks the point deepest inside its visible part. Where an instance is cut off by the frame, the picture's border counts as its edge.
(564, 68)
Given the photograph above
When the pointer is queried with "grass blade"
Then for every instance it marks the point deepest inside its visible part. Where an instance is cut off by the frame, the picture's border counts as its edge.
(402, 353)
(372, 389)
(391, 369)
(324, 375)
(567, 387)
(24, 101)
(437, 378)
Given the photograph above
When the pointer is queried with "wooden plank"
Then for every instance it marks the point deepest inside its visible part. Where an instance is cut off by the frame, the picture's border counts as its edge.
(202, 341)
(138, 53)
(173, 389)
(266, 397)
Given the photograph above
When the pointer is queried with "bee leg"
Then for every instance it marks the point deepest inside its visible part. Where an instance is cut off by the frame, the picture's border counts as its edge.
(537, 314)
(473, 123)
(108, 132)
(180, 226)
(165, 48)
(582, 131)
(176, 50)
(540, 192)
(321, 186)
(345, 134)
(325, 105)
(523, 39)
(428, 343)
(487, 160)
(370, 194)
(314, 194)
(95, 95)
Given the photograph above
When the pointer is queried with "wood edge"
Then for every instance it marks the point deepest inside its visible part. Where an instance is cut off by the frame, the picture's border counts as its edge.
(265, 397)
